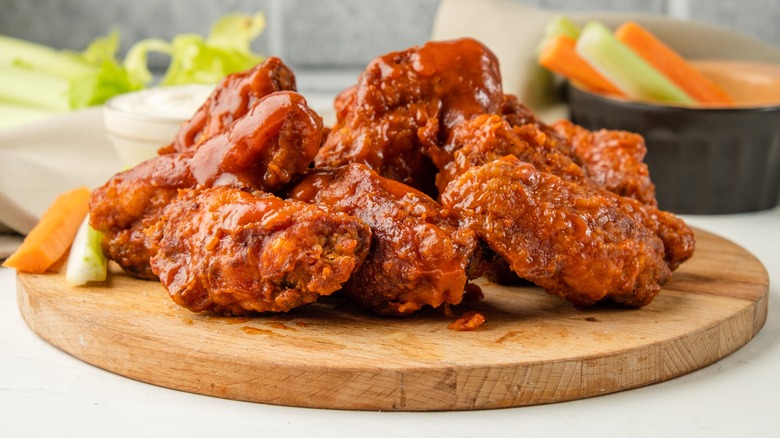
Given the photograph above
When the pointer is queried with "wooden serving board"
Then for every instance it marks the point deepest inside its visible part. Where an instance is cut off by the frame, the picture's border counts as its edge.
(534, 348)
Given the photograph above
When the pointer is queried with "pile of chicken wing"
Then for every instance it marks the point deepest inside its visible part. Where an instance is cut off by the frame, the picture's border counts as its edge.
(430, 177)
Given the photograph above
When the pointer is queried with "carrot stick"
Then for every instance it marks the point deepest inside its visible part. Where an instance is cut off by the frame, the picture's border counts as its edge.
(671, 64)
(52, 236)
(559, 55)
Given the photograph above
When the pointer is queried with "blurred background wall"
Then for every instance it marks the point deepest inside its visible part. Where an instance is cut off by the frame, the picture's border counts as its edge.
(325, 41)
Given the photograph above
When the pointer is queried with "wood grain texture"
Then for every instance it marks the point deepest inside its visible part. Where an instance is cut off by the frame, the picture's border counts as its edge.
(534, 348)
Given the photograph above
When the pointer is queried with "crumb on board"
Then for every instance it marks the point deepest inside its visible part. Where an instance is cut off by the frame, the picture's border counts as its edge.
(470, 321)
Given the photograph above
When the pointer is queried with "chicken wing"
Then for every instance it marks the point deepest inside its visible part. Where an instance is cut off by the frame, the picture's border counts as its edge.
(262, 150)
(613, 160)
(126, 210)
(572, 241)
(419, 256)
(233, 97)
(404, 105)
(233, 252)
(486, 138)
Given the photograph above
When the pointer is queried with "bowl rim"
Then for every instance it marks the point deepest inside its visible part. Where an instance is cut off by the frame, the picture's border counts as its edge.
(121, 114)
(114, 104)
(139, 116)
(639, 105)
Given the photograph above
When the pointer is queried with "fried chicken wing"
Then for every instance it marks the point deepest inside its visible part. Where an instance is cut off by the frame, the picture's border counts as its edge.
(565, 237)
(517, 114)
(678, 238)
(419, 256)
(613, 160)
(262, 150)
(127, 207)
(233, 97)
(232, 252)
(488, 137)
(404, 105)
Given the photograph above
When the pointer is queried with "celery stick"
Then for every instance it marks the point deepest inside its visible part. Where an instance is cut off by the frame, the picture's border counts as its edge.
(195, 59)
(624, 68)
(236, 31)
(86, 261)
(33, 88)
(135, 60)
(561, 25)
(41, 58)
(43, 77)
(557, 26)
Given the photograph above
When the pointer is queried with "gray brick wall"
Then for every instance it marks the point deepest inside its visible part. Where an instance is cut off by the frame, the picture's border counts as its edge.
(324, 35)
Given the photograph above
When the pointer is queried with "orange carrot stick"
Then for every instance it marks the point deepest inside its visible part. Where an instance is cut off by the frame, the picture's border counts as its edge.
(671, 64)
(52, 236)
(559, 55)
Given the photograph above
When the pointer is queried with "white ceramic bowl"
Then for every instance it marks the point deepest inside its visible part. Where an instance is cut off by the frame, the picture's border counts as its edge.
(140, 123)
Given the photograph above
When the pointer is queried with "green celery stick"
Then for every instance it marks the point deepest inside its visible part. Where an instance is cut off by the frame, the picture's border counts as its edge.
(624, 68)
(33, 88)
(42, 77)
(136, 59)
(20, 53)
(561, 25)
(86, 261)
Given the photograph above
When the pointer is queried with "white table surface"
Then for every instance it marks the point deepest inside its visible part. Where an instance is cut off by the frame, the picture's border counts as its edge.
(45, 392)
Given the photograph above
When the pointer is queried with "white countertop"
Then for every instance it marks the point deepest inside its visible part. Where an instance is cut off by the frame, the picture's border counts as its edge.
(45, 392)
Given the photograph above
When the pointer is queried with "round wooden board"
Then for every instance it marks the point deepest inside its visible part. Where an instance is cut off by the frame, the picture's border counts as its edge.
(534, 348)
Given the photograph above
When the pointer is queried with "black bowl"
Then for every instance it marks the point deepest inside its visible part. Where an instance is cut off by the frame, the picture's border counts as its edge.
(702, 160)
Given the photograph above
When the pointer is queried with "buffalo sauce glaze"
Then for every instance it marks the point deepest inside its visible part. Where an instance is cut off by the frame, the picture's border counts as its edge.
(418, 255)
(230, 100)
(404, 105)
(264, 149)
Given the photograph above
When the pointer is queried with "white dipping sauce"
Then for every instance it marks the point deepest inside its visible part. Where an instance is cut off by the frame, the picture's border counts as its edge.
(141, 122)
(178, 102)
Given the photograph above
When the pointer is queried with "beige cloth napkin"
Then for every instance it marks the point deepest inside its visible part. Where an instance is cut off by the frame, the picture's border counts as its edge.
(40, 160)
(512, 31)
